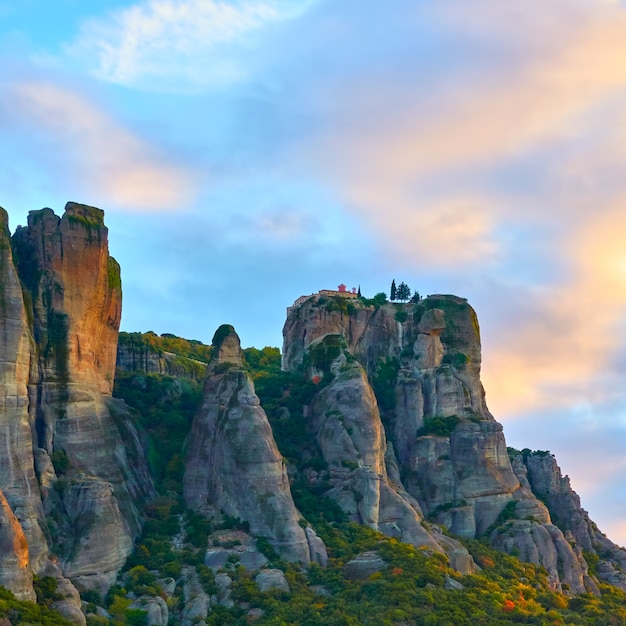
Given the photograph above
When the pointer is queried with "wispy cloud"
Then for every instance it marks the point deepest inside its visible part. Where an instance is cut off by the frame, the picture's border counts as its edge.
(178, 44)
(526, 140)
(102, 157)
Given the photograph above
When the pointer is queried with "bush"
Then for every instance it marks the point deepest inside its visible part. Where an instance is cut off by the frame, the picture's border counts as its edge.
(439, 426)
(60, 462)
(46, 590)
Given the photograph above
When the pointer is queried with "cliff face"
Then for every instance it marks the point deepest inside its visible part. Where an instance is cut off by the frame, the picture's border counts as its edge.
(75, 465)
(540, 472)
(233, 463)
(17, 472)
(344, 418)
(423, 362)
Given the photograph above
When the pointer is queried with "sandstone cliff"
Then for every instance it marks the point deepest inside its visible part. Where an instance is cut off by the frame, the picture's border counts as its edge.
(423, 362)
(74, 464)
(233, 464)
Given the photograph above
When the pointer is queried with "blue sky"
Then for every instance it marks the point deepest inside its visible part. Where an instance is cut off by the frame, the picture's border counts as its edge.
(249, 152)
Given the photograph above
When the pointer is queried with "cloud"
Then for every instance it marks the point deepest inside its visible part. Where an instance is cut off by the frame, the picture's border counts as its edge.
(502, 162)
(555, 346)
(111, 164)
(542, 80)
(176, 44)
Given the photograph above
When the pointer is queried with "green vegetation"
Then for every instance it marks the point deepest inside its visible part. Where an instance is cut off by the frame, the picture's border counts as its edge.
(384, 384)
(338, 303)
(322, 353)
(439, 426)
(411, 589)
(378, 300)
(403, 292)
(506, 514)
(57, 347)
(13, 611)
(401, 315)
(113, 274)
(526, 452)
(164, 407)
(454, 309)
(60, 462)
(456, 359)
(188, 348)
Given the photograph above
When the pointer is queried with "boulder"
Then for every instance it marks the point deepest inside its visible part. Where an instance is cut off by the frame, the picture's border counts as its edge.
(268, 579)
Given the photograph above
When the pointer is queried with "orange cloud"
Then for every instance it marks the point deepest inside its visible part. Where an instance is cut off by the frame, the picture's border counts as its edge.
(554, 357)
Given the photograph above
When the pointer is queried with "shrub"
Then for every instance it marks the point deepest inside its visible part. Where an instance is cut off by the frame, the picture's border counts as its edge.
(439, 426)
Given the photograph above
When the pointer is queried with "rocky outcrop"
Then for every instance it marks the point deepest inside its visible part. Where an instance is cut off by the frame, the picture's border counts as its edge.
(540, 472)
(545, 545)
(344, 418)
(423, 362)
(157, 613)
(233, 463)
(73, 460)
(136, 354)
(269, 579)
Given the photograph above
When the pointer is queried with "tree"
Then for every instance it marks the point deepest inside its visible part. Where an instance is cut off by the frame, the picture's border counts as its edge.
(403, 292)
(416, 297)
(358, 293)
(392, 295)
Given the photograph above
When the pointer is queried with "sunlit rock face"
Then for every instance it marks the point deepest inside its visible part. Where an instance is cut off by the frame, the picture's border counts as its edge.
(15, 573)
(60, 293)
(422, 361)
(233, 464)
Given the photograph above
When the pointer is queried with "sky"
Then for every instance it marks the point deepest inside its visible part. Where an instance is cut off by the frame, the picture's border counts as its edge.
(249, 152)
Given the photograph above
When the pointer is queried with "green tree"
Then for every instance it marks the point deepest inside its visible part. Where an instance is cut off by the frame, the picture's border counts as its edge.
(403, 292)
(392, 295)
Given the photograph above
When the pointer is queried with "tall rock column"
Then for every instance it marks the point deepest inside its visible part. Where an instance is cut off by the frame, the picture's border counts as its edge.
(233, 463)
(73, 294)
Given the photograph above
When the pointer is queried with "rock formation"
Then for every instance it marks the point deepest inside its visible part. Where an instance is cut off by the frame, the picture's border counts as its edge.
(233, 464)
(17, 472)
(15, 573)
(539, 472)
(73, 456)
(135, 354)
(391, 412)
(423, 363)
